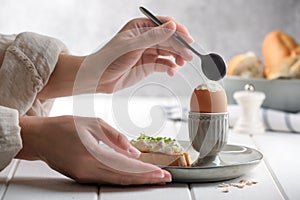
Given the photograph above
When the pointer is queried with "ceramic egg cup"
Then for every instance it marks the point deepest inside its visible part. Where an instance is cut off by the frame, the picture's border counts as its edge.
(208, 134)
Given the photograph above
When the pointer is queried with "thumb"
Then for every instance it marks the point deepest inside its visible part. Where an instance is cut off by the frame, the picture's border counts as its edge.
(155, 35)
(116, 140)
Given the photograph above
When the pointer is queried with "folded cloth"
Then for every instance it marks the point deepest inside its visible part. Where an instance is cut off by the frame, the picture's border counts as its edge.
(273, 120)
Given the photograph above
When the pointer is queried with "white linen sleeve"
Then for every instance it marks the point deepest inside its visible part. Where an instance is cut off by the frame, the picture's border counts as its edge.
(26, 67)
(10, 139)
(27, 61)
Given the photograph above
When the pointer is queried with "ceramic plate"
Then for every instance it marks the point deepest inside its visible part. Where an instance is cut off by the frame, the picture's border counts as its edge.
(233, 161)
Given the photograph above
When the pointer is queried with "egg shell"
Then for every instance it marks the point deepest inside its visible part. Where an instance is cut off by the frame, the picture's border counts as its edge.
(205, 101)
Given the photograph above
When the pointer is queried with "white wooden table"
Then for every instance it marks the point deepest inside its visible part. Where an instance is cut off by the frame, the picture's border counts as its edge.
(277, 176)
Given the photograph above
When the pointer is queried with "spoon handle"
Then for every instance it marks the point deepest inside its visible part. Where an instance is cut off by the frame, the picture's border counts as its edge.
(175, 35)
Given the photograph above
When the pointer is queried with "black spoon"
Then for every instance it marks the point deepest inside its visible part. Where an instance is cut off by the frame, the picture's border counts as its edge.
(213, 66)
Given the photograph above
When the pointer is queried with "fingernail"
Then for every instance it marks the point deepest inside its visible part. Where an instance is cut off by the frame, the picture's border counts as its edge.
(169, 26)
(191, 39)
(158, 174)
(190, 56)
(167, 177)
(132, 150)
(171, 72)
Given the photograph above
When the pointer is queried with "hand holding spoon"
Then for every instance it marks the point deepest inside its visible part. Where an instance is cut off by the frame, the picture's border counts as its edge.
(213, 66)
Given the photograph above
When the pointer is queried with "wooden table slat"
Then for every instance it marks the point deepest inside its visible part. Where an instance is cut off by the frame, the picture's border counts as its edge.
(6, 175)
(281, 152)
(277, 175)
(168, 192)
(35, 180)
(265, 189)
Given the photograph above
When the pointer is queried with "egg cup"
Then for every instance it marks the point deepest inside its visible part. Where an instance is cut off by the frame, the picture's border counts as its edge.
(208, 134)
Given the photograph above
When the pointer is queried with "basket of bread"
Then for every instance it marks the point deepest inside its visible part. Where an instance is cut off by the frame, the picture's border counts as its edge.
(277, 75)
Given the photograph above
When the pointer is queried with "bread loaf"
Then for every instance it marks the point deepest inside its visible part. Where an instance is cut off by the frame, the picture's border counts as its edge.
(246, 65)
(276, 47)
(288, 68)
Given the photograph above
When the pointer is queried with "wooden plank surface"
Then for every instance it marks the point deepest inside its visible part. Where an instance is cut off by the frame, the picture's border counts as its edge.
(282, 155)
(167, 192)
(6, 175)
(277, 175)
(35, 180)
(266, 188)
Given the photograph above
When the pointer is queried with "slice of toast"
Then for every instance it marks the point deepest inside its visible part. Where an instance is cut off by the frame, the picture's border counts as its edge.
(161, 159)
(162, 151)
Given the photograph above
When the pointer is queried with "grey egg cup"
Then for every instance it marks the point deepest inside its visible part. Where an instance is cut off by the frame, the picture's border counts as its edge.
(208, 133)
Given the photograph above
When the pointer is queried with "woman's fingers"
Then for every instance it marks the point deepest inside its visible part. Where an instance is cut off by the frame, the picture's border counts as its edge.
(115, 139)
(101, 131)
(152, 37)
(152, 53)
(161, 38)
(158, 65)
(149, 175)
(180, 29)
(136, 179)
(176, 48)
(108, 176)
(165, 65)
(119, 163)
(145, 22)
(161, 65)
(171, 47)
(179, 60)
(156, 37)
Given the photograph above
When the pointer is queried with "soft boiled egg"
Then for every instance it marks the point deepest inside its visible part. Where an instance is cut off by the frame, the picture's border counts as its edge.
(209, 98)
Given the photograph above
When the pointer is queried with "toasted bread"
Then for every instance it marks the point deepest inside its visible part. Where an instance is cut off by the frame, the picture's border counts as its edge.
(161, 159)
(162, 151)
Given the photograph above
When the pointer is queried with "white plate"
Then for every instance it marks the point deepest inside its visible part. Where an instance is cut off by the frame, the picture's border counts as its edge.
(281, 94)
(235, 161)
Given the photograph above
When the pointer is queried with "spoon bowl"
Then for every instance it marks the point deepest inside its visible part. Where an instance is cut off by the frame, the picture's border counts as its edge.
(213, 66)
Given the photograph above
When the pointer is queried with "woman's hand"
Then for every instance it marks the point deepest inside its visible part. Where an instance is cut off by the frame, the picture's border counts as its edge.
(70, 145)
(139, 49)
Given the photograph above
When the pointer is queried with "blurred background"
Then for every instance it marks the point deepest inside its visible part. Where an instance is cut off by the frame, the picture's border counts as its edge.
(227, 27)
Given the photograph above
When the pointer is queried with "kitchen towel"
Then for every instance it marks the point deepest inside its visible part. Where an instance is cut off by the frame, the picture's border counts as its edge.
(273, 120)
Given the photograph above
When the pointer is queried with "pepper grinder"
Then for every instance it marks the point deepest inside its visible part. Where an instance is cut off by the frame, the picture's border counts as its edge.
(250, 102)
